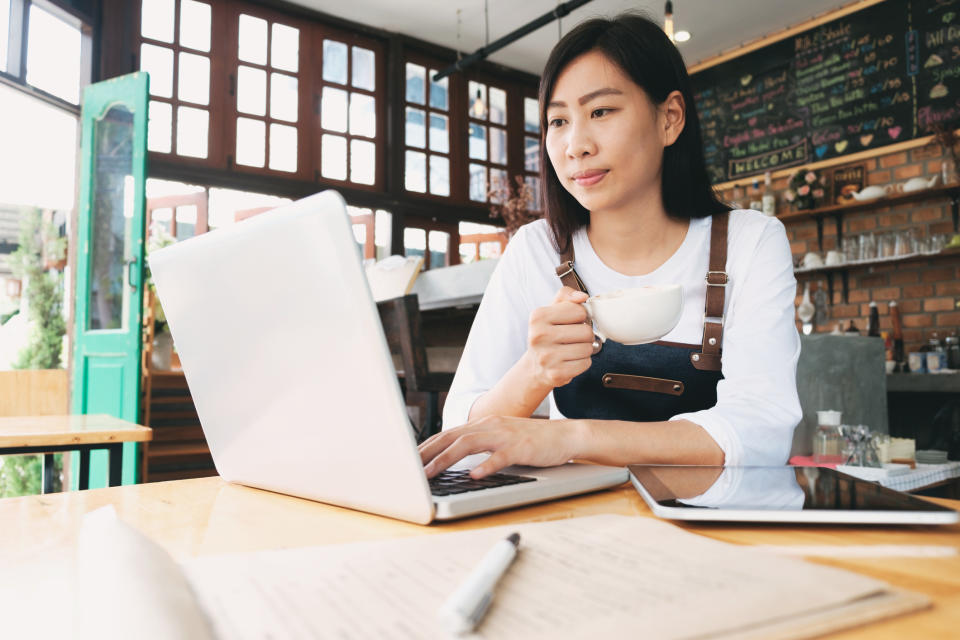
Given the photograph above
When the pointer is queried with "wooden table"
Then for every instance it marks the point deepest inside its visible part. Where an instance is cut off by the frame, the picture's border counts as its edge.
(50, 434)
(207, 516)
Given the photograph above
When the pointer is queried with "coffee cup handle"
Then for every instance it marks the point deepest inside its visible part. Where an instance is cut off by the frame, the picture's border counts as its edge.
(598, 337)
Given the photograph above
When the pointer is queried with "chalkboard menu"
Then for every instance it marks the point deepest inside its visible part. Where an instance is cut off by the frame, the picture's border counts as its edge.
(878, 76)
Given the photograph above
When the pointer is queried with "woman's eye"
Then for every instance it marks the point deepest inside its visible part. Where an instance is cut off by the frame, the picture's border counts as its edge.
(599, 113)
(556, 122)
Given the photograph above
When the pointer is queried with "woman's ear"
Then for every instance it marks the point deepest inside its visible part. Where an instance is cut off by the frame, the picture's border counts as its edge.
(674, 113)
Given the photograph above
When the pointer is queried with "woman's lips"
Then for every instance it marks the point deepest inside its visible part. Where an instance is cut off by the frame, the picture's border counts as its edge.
(589, 178)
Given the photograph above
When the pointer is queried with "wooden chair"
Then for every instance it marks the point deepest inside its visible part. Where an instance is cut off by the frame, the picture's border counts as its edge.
(401, 324)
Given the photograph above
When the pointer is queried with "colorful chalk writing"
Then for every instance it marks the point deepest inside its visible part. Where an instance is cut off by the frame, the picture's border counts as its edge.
(871, 78)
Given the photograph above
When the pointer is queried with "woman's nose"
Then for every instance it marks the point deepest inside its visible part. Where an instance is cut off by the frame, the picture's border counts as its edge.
(579, 143)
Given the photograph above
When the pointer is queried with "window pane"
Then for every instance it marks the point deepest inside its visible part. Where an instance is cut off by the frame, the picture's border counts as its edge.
(416, 131)
(478, 182)
(252, 91)
(534, 184)
(439, 133)
(477, 100)
(438, 241)
(415, 172)
(531, 115)
(159, 127)
(334, 61)
(283, 97)
(4, 32)
(285, 48)
(531, 154)
(364, 69)
(478, 142)
(251, 142)
(253, 40)
(283, 147)
(195, 25)
(192, 131)
(194, 78)
(363, 161)
(498, 145)
(498, 185)
(333, 109)
(439, 98)
(416, 79)
(186, 221)
(53, 55)
(439, 176)
(363, 115)
(158, 62)
(156, 20)
(414, 241)
(333, 161)
(498, 105)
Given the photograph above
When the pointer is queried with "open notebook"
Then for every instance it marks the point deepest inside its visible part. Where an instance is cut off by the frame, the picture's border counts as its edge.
(597, 576)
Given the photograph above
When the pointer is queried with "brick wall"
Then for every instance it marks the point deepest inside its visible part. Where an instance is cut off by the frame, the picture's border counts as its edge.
(927, 291)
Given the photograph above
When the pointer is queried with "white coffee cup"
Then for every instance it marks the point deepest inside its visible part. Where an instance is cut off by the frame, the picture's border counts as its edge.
(812, 260)
(834, 258)
(636, 316)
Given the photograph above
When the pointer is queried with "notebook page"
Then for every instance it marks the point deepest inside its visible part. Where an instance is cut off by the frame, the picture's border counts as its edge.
(581, 577)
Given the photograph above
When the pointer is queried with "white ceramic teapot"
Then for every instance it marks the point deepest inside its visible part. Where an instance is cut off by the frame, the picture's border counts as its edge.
(918, 183)
(873, 192)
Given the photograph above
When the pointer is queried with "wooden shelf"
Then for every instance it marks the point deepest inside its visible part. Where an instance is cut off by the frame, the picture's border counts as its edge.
(951, 191)
(923, 382)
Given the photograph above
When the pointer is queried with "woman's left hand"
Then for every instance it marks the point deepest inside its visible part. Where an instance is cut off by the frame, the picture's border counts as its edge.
(510, 440)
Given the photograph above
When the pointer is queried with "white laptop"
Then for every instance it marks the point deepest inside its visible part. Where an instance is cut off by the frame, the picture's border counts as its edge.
(284, 353)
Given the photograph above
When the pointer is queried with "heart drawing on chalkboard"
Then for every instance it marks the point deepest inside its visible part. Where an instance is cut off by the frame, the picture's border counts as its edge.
(866, 140)
(745, 80)
(840, 146)
(894, 132)
(821, 150)
(752, 122)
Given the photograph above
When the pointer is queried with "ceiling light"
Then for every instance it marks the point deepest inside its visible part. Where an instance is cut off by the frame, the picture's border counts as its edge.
(681, 36)
(478, 108)
(668, 20)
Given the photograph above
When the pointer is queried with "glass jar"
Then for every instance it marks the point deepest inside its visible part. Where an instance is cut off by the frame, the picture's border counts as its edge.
(828, 438)
(953, 352)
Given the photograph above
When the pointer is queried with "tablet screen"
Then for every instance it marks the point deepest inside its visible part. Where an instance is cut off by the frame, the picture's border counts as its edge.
(783, 488)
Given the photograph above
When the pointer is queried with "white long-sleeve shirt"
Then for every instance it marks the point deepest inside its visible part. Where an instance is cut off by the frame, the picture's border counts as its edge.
(757, 405)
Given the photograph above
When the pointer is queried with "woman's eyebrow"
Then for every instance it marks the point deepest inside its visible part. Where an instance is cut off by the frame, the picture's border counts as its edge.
(584, 99)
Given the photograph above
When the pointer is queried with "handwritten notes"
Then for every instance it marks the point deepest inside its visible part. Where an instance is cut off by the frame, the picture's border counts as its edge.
(584, 577)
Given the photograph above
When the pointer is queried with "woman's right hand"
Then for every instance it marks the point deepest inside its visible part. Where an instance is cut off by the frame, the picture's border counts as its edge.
(561, 338)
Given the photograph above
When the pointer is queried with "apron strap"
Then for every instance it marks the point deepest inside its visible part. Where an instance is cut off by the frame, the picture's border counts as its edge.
(717, 279)
(567, 274)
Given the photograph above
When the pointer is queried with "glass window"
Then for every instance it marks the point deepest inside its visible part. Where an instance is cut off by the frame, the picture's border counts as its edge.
(498, 106)
(531, 154)
(415, 130)
(416, 83)
(223, 204)
(285, 48)
(251, 142)
(156, 20)
(531, 115)
(333, 161)
(252, 91)
(334, 61)
(439, 175)
(363, 161)
(158, 62)
(414, 241)
(283, 97)
(253, 40)
(192, 131)
(415, 172)
(195, 25)
(363, 115)
(438, 241)
(534, 183)
(194, 78)
(478, 142)
(333, 109)
(478, 182)
(53, 55)
(4, 32)
(439, 133)
(439, 89)
(283, 147)
(498, 145)
(364, 69)
(160, 127)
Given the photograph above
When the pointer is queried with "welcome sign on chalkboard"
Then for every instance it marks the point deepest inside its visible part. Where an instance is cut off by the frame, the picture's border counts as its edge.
(881, 75)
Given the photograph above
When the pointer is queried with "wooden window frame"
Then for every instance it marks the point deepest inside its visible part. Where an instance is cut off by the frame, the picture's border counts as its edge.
(523, 134)
(452, 229)
(218, 99)
(198, 199)
(320, 32)
(457, 143)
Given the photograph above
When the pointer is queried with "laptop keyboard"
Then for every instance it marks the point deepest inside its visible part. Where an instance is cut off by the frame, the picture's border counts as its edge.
(452, 482)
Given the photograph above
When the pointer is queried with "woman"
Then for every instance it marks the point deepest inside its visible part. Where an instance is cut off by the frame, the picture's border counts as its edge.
(628, 204)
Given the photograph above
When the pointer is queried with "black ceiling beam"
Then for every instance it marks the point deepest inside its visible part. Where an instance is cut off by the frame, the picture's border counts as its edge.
(481, 53)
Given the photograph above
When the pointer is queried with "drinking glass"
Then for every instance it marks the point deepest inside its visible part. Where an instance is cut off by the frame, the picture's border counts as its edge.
(851, 248)
(868, 247)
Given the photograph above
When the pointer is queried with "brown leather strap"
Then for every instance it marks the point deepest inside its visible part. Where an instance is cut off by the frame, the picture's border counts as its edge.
(717, 279)
(567, 274)
(642, 383)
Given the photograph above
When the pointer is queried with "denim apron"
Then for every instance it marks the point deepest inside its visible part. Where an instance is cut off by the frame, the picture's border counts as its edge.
(652, 382)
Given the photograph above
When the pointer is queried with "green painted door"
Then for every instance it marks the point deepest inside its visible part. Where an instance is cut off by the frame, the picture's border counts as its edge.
(110, 248)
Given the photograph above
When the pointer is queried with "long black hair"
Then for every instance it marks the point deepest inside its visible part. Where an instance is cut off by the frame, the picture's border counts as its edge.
(640, 48)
